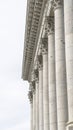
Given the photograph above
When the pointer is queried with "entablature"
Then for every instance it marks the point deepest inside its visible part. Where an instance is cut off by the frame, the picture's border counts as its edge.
(34, 11)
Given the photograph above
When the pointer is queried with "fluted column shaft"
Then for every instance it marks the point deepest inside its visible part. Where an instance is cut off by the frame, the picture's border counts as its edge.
(61, 86)
(51, 76)
(37, 104)
(31, 120)
(30, 96)
(45, 89)
(68, 15)
(41, 98)
(34, 110)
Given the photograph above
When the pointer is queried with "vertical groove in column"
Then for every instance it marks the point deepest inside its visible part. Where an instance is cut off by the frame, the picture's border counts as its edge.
(40, 99)
(45, 87)
(68, 21)
(61, 85)
(31, 105)
(30, 96)
(40, 93)
(37, 104)
(34, 106)
(51, 75)
(34, 111)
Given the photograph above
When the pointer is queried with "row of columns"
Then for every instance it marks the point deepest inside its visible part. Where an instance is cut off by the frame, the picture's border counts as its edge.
(52, 85)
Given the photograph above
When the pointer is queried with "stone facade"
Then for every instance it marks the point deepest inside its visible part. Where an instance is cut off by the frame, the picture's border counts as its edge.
(48, 63)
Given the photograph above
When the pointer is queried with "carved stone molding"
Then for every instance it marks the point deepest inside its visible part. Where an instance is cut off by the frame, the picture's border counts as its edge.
(69, 126)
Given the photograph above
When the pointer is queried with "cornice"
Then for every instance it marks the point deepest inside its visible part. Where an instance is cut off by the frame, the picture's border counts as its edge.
(46, 12)
(29, 15)
(32, 23)
(32, 40)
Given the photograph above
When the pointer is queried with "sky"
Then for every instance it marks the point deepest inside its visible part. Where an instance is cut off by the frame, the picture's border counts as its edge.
(14, 103)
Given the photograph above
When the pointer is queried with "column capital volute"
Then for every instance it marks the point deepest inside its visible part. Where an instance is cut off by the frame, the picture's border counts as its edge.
(50, 21)
(57, 4)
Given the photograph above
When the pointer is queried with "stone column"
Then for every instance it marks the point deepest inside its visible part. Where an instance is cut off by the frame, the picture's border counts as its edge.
(61, 85)
(34, 106)
(31, 105)
(68, 19)
(45, 85)
(31, 109)
(40, 93)
(37, 104)
(51, 75)
(37, 98)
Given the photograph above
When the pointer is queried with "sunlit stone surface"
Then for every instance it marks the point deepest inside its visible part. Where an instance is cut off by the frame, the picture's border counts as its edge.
(48, 63)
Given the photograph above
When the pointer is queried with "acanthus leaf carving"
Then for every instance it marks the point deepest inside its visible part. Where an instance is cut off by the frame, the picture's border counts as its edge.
(44, 45)
(30, 96)
(57, 3)
(40, 60)
(50, 21)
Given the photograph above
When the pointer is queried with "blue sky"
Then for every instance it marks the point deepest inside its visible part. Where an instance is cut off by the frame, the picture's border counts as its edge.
(14, 103)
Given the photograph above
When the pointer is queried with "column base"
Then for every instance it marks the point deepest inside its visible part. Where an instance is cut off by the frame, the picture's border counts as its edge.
(69, 126)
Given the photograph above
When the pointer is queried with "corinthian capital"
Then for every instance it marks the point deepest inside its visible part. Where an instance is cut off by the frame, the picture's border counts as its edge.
(33, 87)
(44, 45)
(30, 96)
(36, 74)
(32, 76)
(44, 40)
(50, 21)
(57, 3)
(40, 61)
